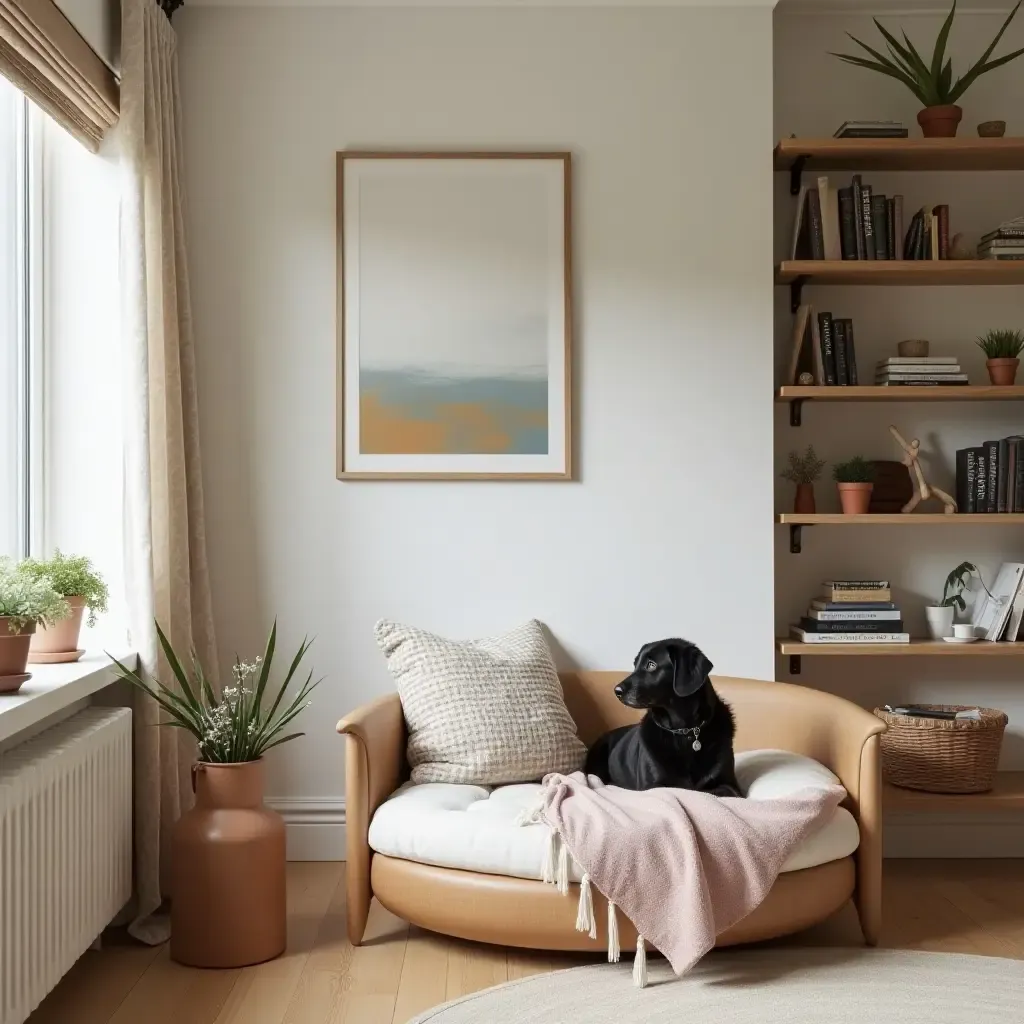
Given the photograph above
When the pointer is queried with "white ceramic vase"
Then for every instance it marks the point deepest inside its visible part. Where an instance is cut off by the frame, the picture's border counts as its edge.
(940, 621)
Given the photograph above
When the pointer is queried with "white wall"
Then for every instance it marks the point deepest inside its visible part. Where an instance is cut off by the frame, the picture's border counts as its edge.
(668, 529)
(814, 94)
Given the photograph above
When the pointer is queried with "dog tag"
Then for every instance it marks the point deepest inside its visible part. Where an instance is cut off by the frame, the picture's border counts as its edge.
(696, 744)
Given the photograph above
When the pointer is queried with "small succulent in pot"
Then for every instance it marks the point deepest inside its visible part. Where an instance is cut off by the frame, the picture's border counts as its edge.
(1002, 349)
(803, 470)
(855, 479)
(26, 602)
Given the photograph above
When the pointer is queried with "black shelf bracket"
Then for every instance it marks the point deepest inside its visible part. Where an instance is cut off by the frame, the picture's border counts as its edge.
(796, 292)
(796, 411)
(794, 664)
(795, 538)
(795, 174)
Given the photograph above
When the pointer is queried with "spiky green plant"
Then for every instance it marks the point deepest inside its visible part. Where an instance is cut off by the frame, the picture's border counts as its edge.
(235, 726)
(25, 598)
(932, 83)
(72, 576)
(1002, 344)
(854, 471)
(803, 469)
(956, 582)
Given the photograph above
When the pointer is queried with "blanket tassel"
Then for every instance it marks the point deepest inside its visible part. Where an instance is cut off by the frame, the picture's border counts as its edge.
(550, 857)
(562, 877)
(613, 934)
(586, 921)
(640, 963)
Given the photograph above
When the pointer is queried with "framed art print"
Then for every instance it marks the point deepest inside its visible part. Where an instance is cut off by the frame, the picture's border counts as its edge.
(454, 318)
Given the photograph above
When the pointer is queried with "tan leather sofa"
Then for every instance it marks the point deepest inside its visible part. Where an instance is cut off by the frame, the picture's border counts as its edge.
(520, 912)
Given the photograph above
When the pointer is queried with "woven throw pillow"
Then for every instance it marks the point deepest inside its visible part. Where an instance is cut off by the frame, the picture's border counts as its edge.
(481, 711)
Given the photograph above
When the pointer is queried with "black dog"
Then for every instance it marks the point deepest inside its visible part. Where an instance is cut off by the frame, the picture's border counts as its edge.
(685, 739)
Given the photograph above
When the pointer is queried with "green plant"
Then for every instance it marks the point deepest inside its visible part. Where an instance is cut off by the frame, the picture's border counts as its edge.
(803, 469)
(854, 471)
(956, 582)
(234, 726)
(1002, 344)
(25, 598)
(931, 83)
(72, 576)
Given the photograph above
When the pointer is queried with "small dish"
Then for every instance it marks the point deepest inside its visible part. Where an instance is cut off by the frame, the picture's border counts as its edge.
(960, 639)
(11, 684)
(54, 658)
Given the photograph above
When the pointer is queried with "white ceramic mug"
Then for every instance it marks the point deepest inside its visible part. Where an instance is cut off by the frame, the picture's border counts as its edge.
(964, 630)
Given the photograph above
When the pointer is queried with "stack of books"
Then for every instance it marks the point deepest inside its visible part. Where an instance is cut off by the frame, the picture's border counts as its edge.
(990, 477)
(852, 612)
(823, 345)
(928, 235)
(1005, 243)
(871, 130)
(903, 371)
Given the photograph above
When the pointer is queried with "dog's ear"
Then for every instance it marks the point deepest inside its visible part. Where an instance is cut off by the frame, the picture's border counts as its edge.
(691, 668)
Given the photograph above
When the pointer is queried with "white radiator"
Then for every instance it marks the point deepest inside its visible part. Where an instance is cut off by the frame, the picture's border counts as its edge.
(65, 849)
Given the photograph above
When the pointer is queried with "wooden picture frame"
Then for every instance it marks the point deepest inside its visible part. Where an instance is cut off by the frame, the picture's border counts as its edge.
(454, 333)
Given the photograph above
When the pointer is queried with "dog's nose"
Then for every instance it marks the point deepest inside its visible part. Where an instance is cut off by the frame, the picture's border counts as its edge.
(619, 691)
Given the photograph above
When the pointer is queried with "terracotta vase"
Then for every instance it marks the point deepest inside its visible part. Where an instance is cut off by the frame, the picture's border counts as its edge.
(803, 503)
(940, 122)
(1002, 371)
(59, 642)
(855, 498)
(227, 872)
(13, 654)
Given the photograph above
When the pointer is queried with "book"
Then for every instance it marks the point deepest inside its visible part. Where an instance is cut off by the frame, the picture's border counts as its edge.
(846, 596)
(961, 480)
(969, 478)
(1018, 488)
(921, 378)
(1002, 464)
(890, 223)
(1006, 234)
(849, 638)
(800, 246)
(821, 605)
(991, 612)
(1011, 632)
(871, 130)
(942, 219)
(980, 479)
(842, 370)
(880, 226)
(897, 210)
(1008, 229)
(856, 584)
(924, 242)
(919, 361)
(829, 203)
(1011, 475)
(946, 370)
(869, 228)
(819, 365)
(858, 217)
(933, 237)
(1004, 256)
(810, 625)
(857, 614)
(847, 225)
(799, 340)
(851, 352)
(828, 351)
(992, 468)
(956, 382)
(817, 228)
(913, 233)
(1016, 242)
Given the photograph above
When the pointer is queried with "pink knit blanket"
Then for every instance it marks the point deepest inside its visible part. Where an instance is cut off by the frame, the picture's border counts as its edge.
(683, 866)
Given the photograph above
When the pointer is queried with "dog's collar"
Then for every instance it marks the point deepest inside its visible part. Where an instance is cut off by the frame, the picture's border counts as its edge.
(693, 729)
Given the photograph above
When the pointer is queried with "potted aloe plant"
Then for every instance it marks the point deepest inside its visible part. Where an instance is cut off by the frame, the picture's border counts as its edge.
(931, 81)
(855, 480)
(75, 579)
(803, 470)
(26, 601)
(1002, 349)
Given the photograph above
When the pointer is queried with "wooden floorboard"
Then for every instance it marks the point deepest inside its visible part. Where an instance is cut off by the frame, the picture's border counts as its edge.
(963, 906)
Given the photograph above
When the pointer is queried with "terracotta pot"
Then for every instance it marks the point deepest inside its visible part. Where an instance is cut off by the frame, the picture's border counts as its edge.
(62, 637)
(227, 872)
(1002, 371)
(13, 653)
(855, 498)
(803, 503)
(940, 122)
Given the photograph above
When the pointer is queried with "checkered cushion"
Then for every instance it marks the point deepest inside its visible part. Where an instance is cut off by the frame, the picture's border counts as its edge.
(482, 712)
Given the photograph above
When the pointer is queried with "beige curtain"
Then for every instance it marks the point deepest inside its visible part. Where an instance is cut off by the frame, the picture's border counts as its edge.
(43, 55)
(165, 547)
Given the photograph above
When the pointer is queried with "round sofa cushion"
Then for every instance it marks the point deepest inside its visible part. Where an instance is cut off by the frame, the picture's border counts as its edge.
(474, 828)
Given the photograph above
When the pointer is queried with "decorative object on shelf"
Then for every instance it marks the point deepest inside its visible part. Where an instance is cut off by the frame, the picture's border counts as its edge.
(228, 852)
(998, 615)
(806, 379)
(961, 249)
(892, 489)
(924, 491)
(931, 81)
(1002, 348)
(804, 470)
(26, 602)
(992, 129)
(75, 579)
(854, 480)
(940, 617)
(913, 348)
(940, 755)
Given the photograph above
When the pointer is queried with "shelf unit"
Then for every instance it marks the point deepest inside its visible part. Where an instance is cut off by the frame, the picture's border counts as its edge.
(1006, 795)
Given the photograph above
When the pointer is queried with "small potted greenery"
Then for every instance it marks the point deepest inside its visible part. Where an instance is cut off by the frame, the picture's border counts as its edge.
(26, 601)
(75, 579)
(1003, 349)
(803, 470)
(855, 479)
(940, 616)
(931, 81)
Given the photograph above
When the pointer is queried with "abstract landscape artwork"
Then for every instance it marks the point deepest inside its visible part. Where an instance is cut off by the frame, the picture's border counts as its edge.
(454, 315)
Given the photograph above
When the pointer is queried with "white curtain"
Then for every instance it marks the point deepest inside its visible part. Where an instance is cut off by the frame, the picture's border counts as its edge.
(165, 542)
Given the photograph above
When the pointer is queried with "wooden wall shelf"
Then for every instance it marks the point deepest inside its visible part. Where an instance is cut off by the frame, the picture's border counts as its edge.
(866, 393)
(1006, 795)
(916, 648)
(963, 154)
(898, 519)
(900, 272)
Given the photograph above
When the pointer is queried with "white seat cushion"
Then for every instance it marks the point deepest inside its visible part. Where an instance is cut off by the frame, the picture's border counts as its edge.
(474, 827)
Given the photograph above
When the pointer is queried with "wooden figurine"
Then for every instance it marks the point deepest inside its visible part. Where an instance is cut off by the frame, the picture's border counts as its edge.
(923, 490)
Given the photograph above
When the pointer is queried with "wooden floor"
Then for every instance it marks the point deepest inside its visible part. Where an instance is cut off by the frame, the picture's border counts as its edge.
(952, 906)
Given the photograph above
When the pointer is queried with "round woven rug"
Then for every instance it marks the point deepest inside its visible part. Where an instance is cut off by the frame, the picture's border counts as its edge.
(791, 986)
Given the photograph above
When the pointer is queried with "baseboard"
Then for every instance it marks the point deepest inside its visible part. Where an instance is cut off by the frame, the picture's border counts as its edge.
(950, 835)
(316, 826)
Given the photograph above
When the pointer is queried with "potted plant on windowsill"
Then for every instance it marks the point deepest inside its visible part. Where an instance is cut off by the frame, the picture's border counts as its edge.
(940, 616)
(26, 601)
(803, 470)
(931, 82)
(228, 852)
(1002, 349)
(75, 579)
(855, 480)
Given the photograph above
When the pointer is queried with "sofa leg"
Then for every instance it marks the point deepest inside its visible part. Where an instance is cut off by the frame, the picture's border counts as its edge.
(357, 911)
(869, 910)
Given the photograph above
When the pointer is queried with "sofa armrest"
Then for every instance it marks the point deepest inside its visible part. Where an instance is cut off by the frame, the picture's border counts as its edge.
(374, 767)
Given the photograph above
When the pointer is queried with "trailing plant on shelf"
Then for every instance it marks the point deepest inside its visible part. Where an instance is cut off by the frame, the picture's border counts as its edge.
(804, 470)
(940, 616)
(1002, 349)
(855, 479)
(26, 602)
(72, 576)
(931, 81)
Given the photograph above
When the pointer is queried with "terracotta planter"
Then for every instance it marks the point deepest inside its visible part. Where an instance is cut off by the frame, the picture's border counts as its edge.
(227, 872)
(1002, 371)
(940, 122)
(855, 498)
(13, 654)
(59, 642)
(803, 503)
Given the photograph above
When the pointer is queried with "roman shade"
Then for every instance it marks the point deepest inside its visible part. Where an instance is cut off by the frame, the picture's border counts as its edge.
(45, 57)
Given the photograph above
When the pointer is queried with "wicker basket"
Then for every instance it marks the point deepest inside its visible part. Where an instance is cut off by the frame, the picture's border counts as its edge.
(941, 756)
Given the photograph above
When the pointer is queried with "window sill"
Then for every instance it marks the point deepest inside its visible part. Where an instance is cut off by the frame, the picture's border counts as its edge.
(54, 688)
